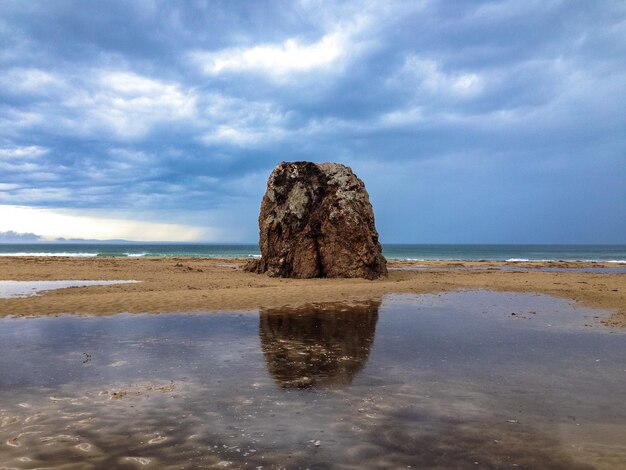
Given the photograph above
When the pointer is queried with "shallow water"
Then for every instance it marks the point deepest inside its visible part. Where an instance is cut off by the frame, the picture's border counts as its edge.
(415, 252)
(452, 380)
(545, 269)
(10, 289)
(548, 269)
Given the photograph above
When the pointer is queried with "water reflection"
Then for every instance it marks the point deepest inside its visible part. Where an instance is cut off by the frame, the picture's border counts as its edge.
(319, 346)
(10, 289)
(453, 381)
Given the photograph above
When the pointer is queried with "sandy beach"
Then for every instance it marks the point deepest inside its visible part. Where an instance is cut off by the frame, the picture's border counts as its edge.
(479, 369)
(194, 284)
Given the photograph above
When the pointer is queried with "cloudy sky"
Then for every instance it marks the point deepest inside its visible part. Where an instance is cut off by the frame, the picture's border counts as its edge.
(473, 121)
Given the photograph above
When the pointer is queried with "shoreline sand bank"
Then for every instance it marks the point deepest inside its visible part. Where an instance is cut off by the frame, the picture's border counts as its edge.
(212, 284)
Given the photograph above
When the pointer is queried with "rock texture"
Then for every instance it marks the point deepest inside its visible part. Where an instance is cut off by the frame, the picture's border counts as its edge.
(316, 220)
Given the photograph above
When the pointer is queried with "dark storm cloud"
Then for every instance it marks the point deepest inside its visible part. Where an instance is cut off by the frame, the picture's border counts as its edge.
(181, 109)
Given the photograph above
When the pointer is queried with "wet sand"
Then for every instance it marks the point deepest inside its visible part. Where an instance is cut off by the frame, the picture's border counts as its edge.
(194, 284)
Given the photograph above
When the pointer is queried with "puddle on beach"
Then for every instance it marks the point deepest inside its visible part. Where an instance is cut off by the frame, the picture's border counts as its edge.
(452, 380)
(10, 289)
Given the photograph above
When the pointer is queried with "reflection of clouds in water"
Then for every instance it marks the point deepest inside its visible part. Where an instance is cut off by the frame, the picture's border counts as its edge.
(53, 351)
(169, 391)
(125, 426)
(317, 346)
(423, 439)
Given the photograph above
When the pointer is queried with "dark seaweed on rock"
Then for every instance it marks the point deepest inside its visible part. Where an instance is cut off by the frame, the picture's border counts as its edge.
(316, 220)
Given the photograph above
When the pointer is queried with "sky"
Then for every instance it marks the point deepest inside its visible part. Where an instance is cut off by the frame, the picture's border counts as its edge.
(469, 122)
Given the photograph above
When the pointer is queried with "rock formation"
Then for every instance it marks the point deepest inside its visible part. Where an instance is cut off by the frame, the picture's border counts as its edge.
(316, 220)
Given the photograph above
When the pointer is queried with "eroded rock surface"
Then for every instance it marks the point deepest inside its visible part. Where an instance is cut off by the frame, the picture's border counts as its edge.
(316, 220)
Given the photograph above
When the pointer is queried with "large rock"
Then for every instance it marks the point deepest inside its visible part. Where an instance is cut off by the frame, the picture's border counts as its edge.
(317, 221)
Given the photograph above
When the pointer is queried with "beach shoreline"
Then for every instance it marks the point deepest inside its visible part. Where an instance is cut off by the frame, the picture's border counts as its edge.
(170, 284)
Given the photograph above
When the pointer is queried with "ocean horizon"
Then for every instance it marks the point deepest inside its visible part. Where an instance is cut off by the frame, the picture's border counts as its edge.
(392, 251)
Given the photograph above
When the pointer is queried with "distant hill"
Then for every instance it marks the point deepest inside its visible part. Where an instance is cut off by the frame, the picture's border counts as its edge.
(15, 237)
(11, 236)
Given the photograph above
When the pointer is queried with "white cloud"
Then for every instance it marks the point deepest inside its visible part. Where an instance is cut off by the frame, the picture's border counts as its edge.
(130, 156)
(129, 105)
(19, 166)
(244, 136)
(29, 151)
(422, 74)
(288, 57)
(28, 80)
(348, 31)
(29, 194)
(240, 122)
(54, 223)
(505, 10)
(116, 103)
(14, 120)
(238, 136)
(401, 117)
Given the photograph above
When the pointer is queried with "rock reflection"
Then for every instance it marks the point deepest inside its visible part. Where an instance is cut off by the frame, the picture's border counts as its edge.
(319, 345)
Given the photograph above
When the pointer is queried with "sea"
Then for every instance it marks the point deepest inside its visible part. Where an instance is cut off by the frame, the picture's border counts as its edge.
(414, 252)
